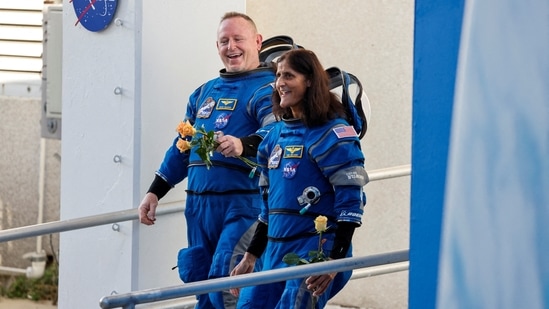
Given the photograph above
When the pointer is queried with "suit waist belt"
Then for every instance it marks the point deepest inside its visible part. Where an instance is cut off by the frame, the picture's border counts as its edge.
(230, 192)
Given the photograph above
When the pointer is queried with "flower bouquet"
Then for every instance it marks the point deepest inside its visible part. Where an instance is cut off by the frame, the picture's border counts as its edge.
(204, 142)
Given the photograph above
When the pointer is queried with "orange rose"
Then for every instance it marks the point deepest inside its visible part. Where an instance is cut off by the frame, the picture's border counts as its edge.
(183, 145)
(185, 129)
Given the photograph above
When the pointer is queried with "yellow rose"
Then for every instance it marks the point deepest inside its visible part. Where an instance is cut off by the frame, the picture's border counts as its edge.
(185, 129)
(183, 145)
(320, 223)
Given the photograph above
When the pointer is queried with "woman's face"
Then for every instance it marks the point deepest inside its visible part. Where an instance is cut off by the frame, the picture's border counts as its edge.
(291, 87)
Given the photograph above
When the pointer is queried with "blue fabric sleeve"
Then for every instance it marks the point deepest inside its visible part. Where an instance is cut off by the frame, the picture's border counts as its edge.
(173, 168)
(349, 204)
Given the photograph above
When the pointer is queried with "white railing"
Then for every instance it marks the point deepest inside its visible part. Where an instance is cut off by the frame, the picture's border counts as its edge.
(131, 214)
(80, 223)
(129, 300)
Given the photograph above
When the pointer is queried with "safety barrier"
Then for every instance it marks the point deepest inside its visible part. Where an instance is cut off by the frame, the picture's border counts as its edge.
(80, 223)
(131, 214)
(189, 302)
(129, 300)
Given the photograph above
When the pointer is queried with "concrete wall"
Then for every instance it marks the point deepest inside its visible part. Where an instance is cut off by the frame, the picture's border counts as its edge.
(20, 152)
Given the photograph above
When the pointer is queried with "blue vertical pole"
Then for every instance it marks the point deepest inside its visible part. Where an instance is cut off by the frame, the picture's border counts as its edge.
(436, 43)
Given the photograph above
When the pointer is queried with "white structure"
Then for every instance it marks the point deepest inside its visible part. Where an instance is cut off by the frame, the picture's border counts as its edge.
(124, 91)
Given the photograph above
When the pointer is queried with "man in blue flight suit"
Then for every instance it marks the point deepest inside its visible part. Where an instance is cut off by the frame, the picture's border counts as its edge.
(223, 201)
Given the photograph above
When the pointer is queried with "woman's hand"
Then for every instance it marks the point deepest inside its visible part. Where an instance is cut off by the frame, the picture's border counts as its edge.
(245, 266)
(319, 284)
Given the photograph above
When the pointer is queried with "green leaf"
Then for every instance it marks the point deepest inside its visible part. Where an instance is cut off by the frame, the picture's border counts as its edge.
(317, 256)
(293, 259)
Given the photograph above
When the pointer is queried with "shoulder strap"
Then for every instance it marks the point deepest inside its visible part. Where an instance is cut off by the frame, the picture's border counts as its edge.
(355, 111)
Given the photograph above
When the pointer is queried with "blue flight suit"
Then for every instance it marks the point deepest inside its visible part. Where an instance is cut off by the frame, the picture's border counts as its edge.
(223, 202)
(325, 162)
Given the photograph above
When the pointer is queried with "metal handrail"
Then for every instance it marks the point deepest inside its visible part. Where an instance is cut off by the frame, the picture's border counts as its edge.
(84, 222)
(380, 270)
(129, 300)
(390, 172)
(189, 302)
(131, 214)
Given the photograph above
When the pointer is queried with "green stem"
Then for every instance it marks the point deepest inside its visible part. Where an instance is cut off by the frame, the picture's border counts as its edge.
(248, 162)
(319, 243)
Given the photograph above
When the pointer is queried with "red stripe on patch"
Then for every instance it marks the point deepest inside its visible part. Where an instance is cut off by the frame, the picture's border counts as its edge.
(346, 131)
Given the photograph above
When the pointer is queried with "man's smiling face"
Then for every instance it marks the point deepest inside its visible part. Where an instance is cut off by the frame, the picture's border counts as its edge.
(238, 45)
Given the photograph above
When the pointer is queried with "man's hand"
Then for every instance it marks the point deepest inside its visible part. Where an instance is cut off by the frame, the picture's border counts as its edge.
(229, 146)
(147, 209)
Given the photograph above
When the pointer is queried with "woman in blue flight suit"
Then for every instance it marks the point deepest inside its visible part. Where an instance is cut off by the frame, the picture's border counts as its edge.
(311, 164)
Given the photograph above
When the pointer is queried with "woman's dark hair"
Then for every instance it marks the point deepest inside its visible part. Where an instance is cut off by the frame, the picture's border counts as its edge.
(319, 104)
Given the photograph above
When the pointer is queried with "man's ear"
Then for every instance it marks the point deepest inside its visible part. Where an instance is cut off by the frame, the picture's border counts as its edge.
(259, 41)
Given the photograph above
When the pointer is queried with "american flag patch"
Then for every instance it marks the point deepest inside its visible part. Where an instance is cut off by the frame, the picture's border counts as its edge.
(346, 131)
